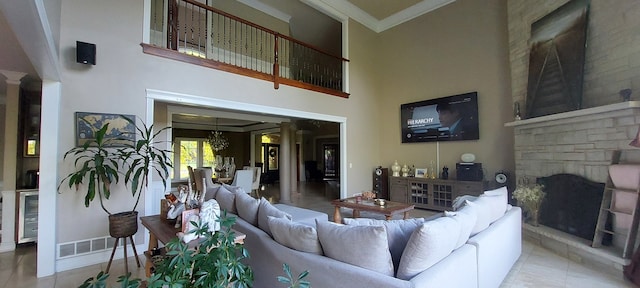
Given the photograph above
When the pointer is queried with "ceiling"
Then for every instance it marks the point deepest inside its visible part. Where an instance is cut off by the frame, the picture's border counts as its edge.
(377, 15)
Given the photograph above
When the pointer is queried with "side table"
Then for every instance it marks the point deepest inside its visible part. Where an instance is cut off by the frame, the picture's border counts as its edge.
(164, 231)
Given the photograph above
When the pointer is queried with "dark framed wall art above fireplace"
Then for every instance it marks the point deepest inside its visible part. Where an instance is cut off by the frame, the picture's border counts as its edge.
(556, 60)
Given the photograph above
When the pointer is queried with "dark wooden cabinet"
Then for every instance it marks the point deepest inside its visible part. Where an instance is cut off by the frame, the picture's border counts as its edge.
(398, 189)
(433, 194)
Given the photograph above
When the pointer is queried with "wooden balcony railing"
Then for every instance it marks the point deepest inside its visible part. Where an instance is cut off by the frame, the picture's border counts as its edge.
(193, 32)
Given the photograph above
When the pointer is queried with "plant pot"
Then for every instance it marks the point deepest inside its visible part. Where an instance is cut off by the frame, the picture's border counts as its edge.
(123, 224)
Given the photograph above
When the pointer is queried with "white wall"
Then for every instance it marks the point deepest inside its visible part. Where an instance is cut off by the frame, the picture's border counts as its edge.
(117, 85)
(459, 48)
(3, 107)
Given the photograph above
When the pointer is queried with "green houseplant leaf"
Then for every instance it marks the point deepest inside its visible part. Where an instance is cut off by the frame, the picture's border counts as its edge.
(98, 165)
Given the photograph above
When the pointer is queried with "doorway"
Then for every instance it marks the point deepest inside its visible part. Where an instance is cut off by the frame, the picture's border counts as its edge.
(251, 110)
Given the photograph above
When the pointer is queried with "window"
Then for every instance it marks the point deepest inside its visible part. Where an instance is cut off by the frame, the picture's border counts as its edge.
(193, 152)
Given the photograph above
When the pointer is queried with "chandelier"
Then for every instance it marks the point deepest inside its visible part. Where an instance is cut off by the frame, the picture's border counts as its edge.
(216, 140)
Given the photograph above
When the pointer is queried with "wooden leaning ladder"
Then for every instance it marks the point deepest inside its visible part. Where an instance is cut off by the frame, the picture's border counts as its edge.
(606, 207)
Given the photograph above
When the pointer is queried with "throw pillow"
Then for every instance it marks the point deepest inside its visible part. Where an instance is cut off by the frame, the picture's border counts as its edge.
(234, 189)
(295, 235)
(210, 192)
(247, 207)
(398, 233)
(500, 206)
(362, 246)
(467, 220)
(483, 216)
(265, 209)
(496, 206)
(430, 243)
(458, 203)
(226, 199)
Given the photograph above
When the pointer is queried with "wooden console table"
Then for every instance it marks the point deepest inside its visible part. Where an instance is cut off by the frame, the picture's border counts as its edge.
(164, 232)
(433, 194)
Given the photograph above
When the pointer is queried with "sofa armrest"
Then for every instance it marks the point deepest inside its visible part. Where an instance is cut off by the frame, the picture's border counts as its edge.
(498, 248)
(459, 269)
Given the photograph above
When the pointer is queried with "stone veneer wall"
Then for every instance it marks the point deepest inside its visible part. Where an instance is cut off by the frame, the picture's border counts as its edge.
(578, 142)
(612, 60)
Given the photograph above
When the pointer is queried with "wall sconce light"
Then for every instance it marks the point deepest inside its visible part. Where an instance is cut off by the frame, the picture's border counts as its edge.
(85, 53)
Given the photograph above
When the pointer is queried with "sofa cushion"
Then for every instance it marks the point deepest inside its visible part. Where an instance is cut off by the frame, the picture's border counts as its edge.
(482, 213)
(265, 210)
(226, 199)
(430, 243)
(467, 220)
(302, 215)
(398, 233)
(294, 235)
(362, 246)
(499, 204)
(247, 207)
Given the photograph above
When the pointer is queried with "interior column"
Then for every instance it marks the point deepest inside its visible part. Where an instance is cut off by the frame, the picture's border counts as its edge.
(10, 159)
(293, 160)
(285, 163)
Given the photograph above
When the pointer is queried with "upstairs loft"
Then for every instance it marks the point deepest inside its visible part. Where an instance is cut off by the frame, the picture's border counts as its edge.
(193, 32)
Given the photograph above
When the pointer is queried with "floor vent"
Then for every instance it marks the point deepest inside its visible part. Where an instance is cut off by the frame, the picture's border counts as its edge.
(85, 246)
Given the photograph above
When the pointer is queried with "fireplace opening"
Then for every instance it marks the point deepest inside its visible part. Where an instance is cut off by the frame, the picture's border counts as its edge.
(572, 204)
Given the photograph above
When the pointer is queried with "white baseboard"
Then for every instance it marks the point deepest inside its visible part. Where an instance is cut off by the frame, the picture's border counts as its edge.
(7, 247)
(97, 258)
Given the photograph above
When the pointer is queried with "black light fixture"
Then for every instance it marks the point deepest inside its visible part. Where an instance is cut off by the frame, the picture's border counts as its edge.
(85, 53)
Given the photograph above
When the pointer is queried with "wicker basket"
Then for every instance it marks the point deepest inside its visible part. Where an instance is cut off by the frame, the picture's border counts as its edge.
(123, 224)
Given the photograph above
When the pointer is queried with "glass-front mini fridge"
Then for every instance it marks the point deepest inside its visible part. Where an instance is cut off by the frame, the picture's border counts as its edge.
(28, 216)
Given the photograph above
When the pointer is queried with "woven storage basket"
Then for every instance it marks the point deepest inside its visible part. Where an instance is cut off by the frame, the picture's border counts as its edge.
(123, 224)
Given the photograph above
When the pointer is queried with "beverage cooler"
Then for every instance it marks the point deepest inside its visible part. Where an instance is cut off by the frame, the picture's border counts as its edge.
(27, 216)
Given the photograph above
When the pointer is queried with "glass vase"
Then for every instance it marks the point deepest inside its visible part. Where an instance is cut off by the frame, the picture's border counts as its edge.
(232, 167)
(218, 168)
(533, 218)
(226, 167)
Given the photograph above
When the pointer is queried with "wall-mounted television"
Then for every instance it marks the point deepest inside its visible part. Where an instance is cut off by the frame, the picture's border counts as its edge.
(448, 118)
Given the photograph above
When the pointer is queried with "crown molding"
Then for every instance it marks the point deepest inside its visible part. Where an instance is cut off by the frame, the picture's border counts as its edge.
(346, 8)
(408, 14)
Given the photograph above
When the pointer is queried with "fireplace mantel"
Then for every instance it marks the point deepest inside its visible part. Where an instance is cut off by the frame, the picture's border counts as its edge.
(549, 120)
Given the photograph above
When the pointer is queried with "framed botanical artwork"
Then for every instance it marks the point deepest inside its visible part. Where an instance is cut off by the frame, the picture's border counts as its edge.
(120, 131)
(421, 172)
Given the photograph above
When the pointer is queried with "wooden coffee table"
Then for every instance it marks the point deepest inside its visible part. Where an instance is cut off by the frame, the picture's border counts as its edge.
(388, 210)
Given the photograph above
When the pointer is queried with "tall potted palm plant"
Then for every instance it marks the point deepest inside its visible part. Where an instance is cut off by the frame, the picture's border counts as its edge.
(99, 166)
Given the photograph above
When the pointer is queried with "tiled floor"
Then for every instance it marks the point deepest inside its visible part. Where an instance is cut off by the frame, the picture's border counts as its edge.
(537, 267)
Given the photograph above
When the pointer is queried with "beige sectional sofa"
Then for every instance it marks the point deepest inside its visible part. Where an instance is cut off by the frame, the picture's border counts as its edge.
(447, 251)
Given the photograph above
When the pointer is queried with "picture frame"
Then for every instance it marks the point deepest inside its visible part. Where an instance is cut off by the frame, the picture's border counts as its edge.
(121, 132)
(421, 172)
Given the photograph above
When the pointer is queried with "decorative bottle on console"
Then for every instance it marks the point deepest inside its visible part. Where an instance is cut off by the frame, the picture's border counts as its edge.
(405, 170)
(395, 168)
(445, 172)
(432, 170)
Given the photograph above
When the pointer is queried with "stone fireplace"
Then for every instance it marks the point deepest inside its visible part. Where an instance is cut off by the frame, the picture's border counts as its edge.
(579, 143)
